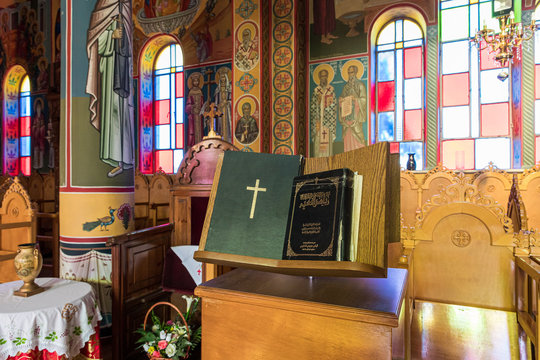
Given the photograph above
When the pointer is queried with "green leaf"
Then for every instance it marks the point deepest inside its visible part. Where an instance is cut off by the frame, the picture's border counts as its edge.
(19, 341)
(2, 341)
(77, 331)
(52, 336)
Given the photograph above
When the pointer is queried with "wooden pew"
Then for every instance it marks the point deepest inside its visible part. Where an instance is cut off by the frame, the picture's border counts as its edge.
(137, 269)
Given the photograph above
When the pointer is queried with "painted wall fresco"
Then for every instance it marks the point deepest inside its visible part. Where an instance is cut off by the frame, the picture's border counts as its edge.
(338, 106)
(247, 75)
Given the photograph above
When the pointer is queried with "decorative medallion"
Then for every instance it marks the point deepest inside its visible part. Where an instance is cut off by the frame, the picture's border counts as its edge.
(283, 81)
(282, 8)
(491, 188)
(283, 105)
(68, 311)
(15, 212)
(283, 150)
(246, 9)
(283, 130)
(246, 82)
(283, 31)
(461, 238)
(283, 56)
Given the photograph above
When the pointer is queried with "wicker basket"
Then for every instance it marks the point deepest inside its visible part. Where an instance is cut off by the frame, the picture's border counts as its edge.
(181, 316)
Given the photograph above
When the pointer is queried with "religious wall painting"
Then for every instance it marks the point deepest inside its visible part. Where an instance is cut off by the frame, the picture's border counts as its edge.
(247, 46)
(247, 117)
(109, 84)
(336, 28)
(208, 102)
(338, 106)
(42, 135)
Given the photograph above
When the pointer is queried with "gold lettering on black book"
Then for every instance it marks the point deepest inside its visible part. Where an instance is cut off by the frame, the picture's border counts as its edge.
(320, 198)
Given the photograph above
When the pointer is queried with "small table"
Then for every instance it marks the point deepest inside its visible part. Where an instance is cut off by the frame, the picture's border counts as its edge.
(249, 315)
(62, 319)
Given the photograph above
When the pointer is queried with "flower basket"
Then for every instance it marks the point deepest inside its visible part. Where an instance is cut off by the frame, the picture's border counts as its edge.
(181, 317)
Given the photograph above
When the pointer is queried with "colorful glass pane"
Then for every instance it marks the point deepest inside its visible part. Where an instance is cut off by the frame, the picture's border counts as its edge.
(178, 157)
(387, 35)
(25, 126)
(458, 154)
(25, 166)
(179, 84)
(455, 89)
(413, 62)
(25, 146)
(416, 148)
(537, 116)
(455, 57)
(411, 31)
(164, 160)
(537, 44)
(455, 122)
(164, 59)
(413, 93)
(455, 24)
(413, 125)
(25, 106)
(537, 152)
(386, 98)
(163, 137)
(496, 150)
(163, 87)
(494, 120)
(162, 113)
(179, 56)
(394, 148)
(179, 136)
(493, 90)
(385, 66)
(179, 110)
(487, 59)
(386, 126)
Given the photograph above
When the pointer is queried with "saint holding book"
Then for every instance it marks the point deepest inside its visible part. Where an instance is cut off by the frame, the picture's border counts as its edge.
(352, 106)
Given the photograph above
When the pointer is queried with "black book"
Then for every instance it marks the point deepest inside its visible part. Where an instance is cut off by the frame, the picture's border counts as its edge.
(319, 222)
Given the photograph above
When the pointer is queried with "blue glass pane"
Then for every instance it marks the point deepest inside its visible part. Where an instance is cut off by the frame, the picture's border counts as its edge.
(386, 47)
(179, 110)
(496, 150)
(537, 117)
(162, 71)
(386, 126)
(178, 157)
(413, 93)
(455, 122)
(25, 106)
(492, 90)
(455, 57)
(406, 148)
(455, 24)
(413, 43)
(399, 30)
(25, 146)
(385, 66)
(163, 137)
(453, 3)
(163, 90)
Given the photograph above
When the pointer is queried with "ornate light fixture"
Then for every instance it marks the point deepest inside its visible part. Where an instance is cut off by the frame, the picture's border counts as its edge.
(507, 41)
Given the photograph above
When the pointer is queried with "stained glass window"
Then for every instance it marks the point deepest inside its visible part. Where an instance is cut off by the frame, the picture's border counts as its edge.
(169, 134)
(16, 125)
(400, 89)
(475, 112)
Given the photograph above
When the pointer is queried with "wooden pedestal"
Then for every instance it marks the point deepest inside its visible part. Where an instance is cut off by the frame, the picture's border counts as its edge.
(251, 315)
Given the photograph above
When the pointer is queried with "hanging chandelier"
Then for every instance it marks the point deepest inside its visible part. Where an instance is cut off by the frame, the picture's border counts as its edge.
(505, 43)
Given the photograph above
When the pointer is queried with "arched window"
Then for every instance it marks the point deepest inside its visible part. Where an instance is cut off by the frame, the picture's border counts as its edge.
(16, 122)
(161, 103)
(474, 122)
(400, 89)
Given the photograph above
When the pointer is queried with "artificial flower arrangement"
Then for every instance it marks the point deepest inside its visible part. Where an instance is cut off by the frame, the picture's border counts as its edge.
(173, 339)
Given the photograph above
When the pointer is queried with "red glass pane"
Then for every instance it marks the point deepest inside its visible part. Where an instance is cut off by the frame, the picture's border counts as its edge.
(394, 148)
(487, 59)
(179, 84)
(413, 125)
(413, 62)
(494, 120)
(537, 81)
(455, 89)
(164, 160)
(458, 154)
(162, 112)
(25, 165)
(386, 101)
(25, 126)
(179, 136)
(537, 149)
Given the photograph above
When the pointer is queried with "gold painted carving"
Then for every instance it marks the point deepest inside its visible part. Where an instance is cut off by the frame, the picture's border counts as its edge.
(461, 238)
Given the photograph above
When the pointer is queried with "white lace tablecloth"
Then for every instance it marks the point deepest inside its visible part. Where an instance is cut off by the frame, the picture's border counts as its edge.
(61, 319)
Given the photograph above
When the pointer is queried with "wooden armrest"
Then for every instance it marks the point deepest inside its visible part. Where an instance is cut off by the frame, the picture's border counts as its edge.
(43, 201)
(156, 205)
(15, 225)
(44, 215)
(120, 239)
(7, 255)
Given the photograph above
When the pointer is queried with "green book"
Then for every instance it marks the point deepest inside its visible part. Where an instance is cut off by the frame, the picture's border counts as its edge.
(252, 203)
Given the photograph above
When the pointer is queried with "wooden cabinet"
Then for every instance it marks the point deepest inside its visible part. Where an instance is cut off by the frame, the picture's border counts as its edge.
(251, 315)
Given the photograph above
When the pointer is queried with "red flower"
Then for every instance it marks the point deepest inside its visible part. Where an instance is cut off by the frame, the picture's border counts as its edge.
(162, 344)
